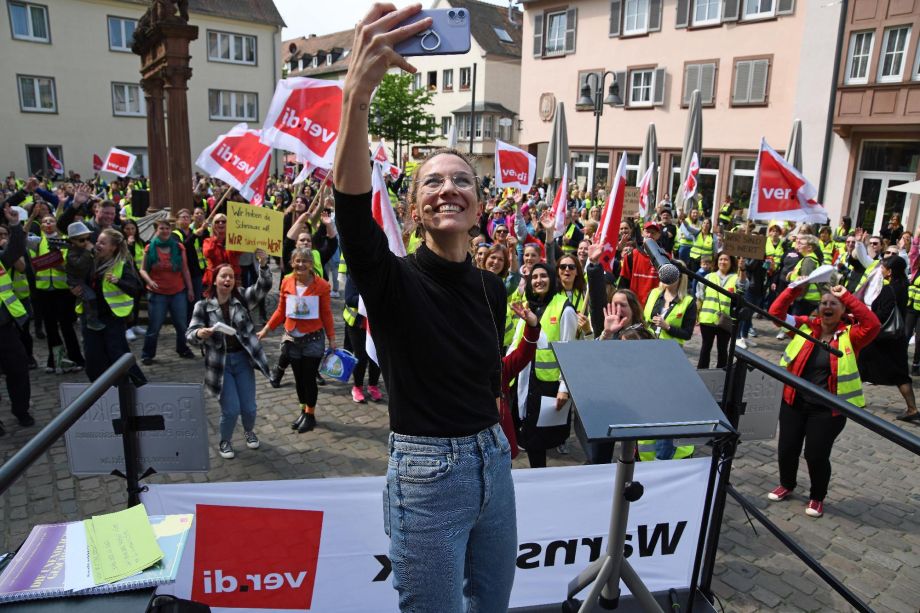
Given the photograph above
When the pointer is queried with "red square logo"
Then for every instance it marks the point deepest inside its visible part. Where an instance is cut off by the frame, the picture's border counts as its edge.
(255, 558)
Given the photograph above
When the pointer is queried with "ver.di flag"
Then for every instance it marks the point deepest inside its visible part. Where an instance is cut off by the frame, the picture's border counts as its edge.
(561, 201)
(691, 184)
(97, 163)
(118, 162)
(645, 184)
(240, 159)
(380, 156)
(53, 163)
(514, 167)
(303, 118)
(781, 192)
(608, 233)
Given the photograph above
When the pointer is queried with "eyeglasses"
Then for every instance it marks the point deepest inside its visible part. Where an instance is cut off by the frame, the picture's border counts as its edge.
(500, 232)
(876, 243)
(567, 267)
(462, 181)
(220, 223)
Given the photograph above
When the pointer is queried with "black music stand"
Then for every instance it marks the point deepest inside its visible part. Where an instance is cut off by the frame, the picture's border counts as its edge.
(624, 391)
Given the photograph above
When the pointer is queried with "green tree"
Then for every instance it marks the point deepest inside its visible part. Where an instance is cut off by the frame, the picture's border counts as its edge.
(398, 113)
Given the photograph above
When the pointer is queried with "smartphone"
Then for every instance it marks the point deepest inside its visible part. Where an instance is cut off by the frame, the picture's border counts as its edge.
(449, 33)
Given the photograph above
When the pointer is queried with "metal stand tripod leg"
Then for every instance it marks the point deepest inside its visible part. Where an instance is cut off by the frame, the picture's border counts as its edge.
(606, 572)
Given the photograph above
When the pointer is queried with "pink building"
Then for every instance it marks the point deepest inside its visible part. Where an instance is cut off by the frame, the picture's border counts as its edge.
(759, 65)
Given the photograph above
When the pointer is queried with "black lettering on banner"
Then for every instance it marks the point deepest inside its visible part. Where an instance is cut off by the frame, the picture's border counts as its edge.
(387, 568)
(529, 552)
(668, 545)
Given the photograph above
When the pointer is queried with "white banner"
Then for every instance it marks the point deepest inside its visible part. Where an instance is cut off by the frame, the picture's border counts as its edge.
(319, 544)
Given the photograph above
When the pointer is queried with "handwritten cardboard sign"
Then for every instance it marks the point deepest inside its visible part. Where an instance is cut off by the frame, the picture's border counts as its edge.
(744, 245)
(631, 202)
(254, 227)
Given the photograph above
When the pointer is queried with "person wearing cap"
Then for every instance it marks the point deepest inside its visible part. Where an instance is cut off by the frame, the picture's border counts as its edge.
(637, 268)
(668, 230)
(79, 267)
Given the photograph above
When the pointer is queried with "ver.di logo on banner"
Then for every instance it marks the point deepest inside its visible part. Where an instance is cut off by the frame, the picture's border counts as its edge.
(514, 167)
(276, 569)
(240, 159)
(304, 118)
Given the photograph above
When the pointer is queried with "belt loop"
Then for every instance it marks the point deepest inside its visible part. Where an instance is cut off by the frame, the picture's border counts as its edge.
(494, 431)
(454, 449)
(390, 443)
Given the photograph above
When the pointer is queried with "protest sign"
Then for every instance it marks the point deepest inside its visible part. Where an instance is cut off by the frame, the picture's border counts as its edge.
(118, 162)
(632, 201)
(254, 227)
(514, 167)
(744, 245)
(239, 159)
(303, 117)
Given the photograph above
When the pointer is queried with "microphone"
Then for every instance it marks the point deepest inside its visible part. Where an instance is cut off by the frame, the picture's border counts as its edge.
(427, 209)
(668, 273)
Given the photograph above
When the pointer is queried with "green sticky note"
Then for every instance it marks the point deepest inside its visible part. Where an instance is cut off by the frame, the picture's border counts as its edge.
(121, 544)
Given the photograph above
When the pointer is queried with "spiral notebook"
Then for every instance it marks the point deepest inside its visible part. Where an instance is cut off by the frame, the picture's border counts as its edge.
(55, 561)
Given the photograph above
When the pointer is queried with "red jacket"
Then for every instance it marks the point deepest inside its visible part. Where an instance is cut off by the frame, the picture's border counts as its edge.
(511, 366)
(865, 327)
(215, 252)
(639, 271)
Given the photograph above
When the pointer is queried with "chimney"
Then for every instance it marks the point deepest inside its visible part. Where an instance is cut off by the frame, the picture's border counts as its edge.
(312, 36)
(510, 11)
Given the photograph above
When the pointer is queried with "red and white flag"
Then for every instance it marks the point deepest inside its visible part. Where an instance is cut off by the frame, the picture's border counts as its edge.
(645, 185)
(561, 201)
(691, 184)
(781, 192)
(119, 162)
(303, 117)
(514, 167)
(608, 233)
(53, 163)
(289, 171)
(97, 163)
(240, 159)
(380, 156)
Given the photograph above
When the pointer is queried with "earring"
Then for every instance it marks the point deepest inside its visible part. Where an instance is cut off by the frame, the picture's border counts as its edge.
(474, 231)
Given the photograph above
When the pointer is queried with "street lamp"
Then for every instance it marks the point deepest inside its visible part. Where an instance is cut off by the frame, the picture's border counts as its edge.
(613, 99)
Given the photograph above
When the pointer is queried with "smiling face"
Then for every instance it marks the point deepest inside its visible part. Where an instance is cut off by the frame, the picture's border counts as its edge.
(447, 185)
(105, 216)
(163, 231)
(304, 240)
(539, 281)
(831, 310)
(198, 216)
(495, 262)
(725, 263)
(105, 246)
(480, 259)
(225, 281)
(582, 252)
(531, 255)
(567, 269)
(301, 266)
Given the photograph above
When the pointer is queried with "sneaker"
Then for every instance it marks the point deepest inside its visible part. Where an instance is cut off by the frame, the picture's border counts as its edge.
(49, 370)
(130, 335)
(333, 294)
(357, 395)
(146, 361)
(815, 508)
(252, 441)
(780, 335)
(374, 392)
(70, 366)
(140, 330)
(750, 342)
(780, 493)
(225, 449)
(753, 332)
(741, 343)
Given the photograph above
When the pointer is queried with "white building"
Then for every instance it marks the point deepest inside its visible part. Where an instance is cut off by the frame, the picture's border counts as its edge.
(71, 83)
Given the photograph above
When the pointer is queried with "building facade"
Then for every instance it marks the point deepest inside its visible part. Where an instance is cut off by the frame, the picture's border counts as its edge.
(876, 117)
(759, 65)
(319, 57)
(72, 82)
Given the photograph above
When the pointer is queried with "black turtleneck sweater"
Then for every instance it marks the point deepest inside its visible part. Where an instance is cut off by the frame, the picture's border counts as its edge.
(437, 326)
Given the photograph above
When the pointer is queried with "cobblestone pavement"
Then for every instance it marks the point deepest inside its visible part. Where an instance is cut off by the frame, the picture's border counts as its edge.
(869, 535)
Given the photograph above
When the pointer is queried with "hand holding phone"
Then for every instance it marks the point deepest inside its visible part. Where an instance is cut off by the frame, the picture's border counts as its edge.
(449, 33)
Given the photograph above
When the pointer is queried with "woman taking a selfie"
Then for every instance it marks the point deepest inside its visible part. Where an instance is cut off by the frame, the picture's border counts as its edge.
(437, 323)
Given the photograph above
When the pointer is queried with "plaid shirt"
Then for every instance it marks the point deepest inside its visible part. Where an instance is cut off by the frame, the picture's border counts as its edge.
(207, 313)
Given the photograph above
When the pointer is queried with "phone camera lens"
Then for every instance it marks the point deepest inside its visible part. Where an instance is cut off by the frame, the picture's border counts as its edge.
(451, 14)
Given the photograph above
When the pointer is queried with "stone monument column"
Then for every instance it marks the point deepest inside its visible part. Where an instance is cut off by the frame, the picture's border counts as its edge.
(180, 156)
(156, 142)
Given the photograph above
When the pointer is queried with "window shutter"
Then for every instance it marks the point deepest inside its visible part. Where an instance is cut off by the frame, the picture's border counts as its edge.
(537, 35)
(571, 23)
(785, 7)
(624, 87)
(654, 15)
(683, 14)
(730, 10)
(707, 83)
(742, 83)
(616, 17)
(658, 87)
(759, 71)
(691, 82)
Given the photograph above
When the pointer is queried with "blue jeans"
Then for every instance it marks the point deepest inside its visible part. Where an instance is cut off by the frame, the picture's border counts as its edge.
(157, 306)
(238, 394)
(448, 508)
(683, 253)
(332, 269)
(103, 348)
(664, 449)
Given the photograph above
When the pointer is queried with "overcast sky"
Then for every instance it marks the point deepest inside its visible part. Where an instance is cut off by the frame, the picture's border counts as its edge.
(327, 16)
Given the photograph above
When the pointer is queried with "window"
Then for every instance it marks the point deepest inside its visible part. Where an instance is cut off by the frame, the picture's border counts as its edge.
(701, 76)
(292, 65)
(29, 22)
(555, 34)
(487, 126)
(640, 87)
(446, 122)
(916, 73)
(891, 61)
(478, 129)
(464, 78)
(707, 12)
(37, 158)
(635, 17)
(502, 34)
(127, 99)
(233, 106)
(751, 80)
(233, 48)
(121, 33)
(757, 9)
(36, 94)
(447, 80)
(741, 180)
(328, 59)
(417, 81)
(432, 80)
(504, 129)
(463, 126)
(858, 58)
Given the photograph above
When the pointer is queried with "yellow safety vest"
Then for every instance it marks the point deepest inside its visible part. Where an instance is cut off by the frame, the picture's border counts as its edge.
(20, 284)
(675, 317)
(702, 247)
(775, 253)
(569, 232)
(849, 384)
(120, 302)
(9, 299)
(868, 272)
(725, 213)
(415, 242)
(840, 236)
(828, 251)
(715, 303)
(812, 294)
(510, 321)
(913, 294)
(546, 368)
(684, 239)
(50, 278)
(350, 315)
